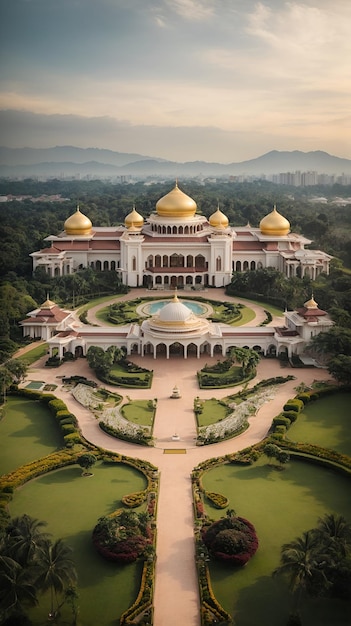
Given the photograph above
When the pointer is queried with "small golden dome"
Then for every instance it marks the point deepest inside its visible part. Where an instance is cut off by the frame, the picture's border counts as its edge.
(218, 219)
(311, 304)
(134, 219)
(78, 224)
(48, 304)
(176, 204)
(274, 224)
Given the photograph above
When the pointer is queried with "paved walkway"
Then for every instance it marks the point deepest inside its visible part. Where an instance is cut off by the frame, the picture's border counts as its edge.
(176, 587)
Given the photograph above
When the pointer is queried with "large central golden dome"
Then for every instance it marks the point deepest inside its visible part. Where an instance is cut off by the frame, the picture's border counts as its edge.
(176, 204)
(274, 224)
(78, 224)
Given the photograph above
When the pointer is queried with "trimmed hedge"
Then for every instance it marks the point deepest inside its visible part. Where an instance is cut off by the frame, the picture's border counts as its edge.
(217, 499)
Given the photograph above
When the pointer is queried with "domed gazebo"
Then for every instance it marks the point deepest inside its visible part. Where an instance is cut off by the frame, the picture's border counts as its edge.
(175, 327)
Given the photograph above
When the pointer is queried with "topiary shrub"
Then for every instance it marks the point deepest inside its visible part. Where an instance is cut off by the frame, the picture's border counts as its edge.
(231, 539)
(122, 538)
(217, 499)
(294, 405)
(291, 415)
(280, 420)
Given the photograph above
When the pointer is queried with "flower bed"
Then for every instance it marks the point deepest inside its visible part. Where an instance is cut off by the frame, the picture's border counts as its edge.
(231, 539)
(111, 419)
(237, 421)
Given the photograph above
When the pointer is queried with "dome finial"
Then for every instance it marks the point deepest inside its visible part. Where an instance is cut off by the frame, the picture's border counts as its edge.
(175, 297)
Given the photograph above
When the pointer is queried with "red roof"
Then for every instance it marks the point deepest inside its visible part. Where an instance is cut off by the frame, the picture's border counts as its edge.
(311, 314)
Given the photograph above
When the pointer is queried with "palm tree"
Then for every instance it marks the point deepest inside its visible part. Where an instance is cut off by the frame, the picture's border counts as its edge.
(55, 570)
(336, 533)
(302, 563)
(16, 587)
(23, 538)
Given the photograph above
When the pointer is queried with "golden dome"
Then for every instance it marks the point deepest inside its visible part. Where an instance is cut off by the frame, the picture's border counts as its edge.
(78, 224)
(48, 304)
(311, 304)
(176, 204)
(274, 224)
(218, 219)
(134, 219)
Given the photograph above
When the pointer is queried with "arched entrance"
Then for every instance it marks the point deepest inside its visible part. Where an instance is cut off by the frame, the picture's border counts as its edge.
(176, 349)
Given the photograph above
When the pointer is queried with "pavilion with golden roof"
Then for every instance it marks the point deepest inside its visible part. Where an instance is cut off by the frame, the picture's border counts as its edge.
(176, 246)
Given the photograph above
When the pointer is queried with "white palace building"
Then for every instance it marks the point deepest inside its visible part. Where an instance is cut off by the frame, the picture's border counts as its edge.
(177, 248)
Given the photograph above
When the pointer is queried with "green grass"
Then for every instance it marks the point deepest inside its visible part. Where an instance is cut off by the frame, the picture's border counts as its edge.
(33, 355)
(281, 505)
(247, 315)
(96, 301)
(326, 423)
(129, 312)
(139, 412)
(268, 307)
(230, 378)
(105, 589)
(118, 370)
(27, 432)
(212, 411)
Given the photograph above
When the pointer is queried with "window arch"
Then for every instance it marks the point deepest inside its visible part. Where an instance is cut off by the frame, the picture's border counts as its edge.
(133, 264)
(218, 264)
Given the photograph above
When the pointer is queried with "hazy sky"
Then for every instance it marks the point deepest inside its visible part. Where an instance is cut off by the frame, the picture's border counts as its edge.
(214, 80)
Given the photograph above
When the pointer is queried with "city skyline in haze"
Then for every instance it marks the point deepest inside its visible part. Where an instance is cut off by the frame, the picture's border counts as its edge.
(213, 80)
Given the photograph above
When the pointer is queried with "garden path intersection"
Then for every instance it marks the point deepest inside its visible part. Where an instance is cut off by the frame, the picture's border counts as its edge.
(176, 598)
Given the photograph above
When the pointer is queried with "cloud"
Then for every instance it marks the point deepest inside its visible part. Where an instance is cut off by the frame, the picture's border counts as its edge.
(193, 9)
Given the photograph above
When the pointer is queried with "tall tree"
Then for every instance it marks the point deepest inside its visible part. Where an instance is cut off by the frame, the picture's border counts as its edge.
(55, 571)
(17, 587)
(301, 565)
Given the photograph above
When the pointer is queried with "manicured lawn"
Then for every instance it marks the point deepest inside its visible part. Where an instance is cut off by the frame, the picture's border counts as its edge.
(27, 432)
(105, 589)
(325, 422)
(268, 307)
(281, 505)
(247, 315)
(118, 370)
(139, 412)
(220, 379)
(212, 411)
(129, 312)
(102, 316)
(33, 355)
(96, 301)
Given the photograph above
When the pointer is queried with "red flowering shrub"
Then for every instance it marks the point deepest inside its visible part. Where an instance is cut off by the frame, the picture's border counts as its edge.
(231, 539)
(122, 538)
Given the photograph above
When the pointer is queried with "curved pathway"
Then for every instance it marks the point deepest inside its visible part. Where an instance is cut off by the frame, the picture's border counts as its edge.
(176, 587)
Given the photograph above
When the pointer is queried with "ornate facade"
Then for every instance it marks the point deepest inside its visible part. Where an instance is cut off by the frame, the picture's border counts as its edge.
(176, 247)
(176, 330)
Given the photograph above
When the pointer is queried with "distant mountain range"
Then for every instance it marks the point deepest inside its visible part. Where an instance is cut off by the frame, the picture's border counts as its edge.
(65, 161)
